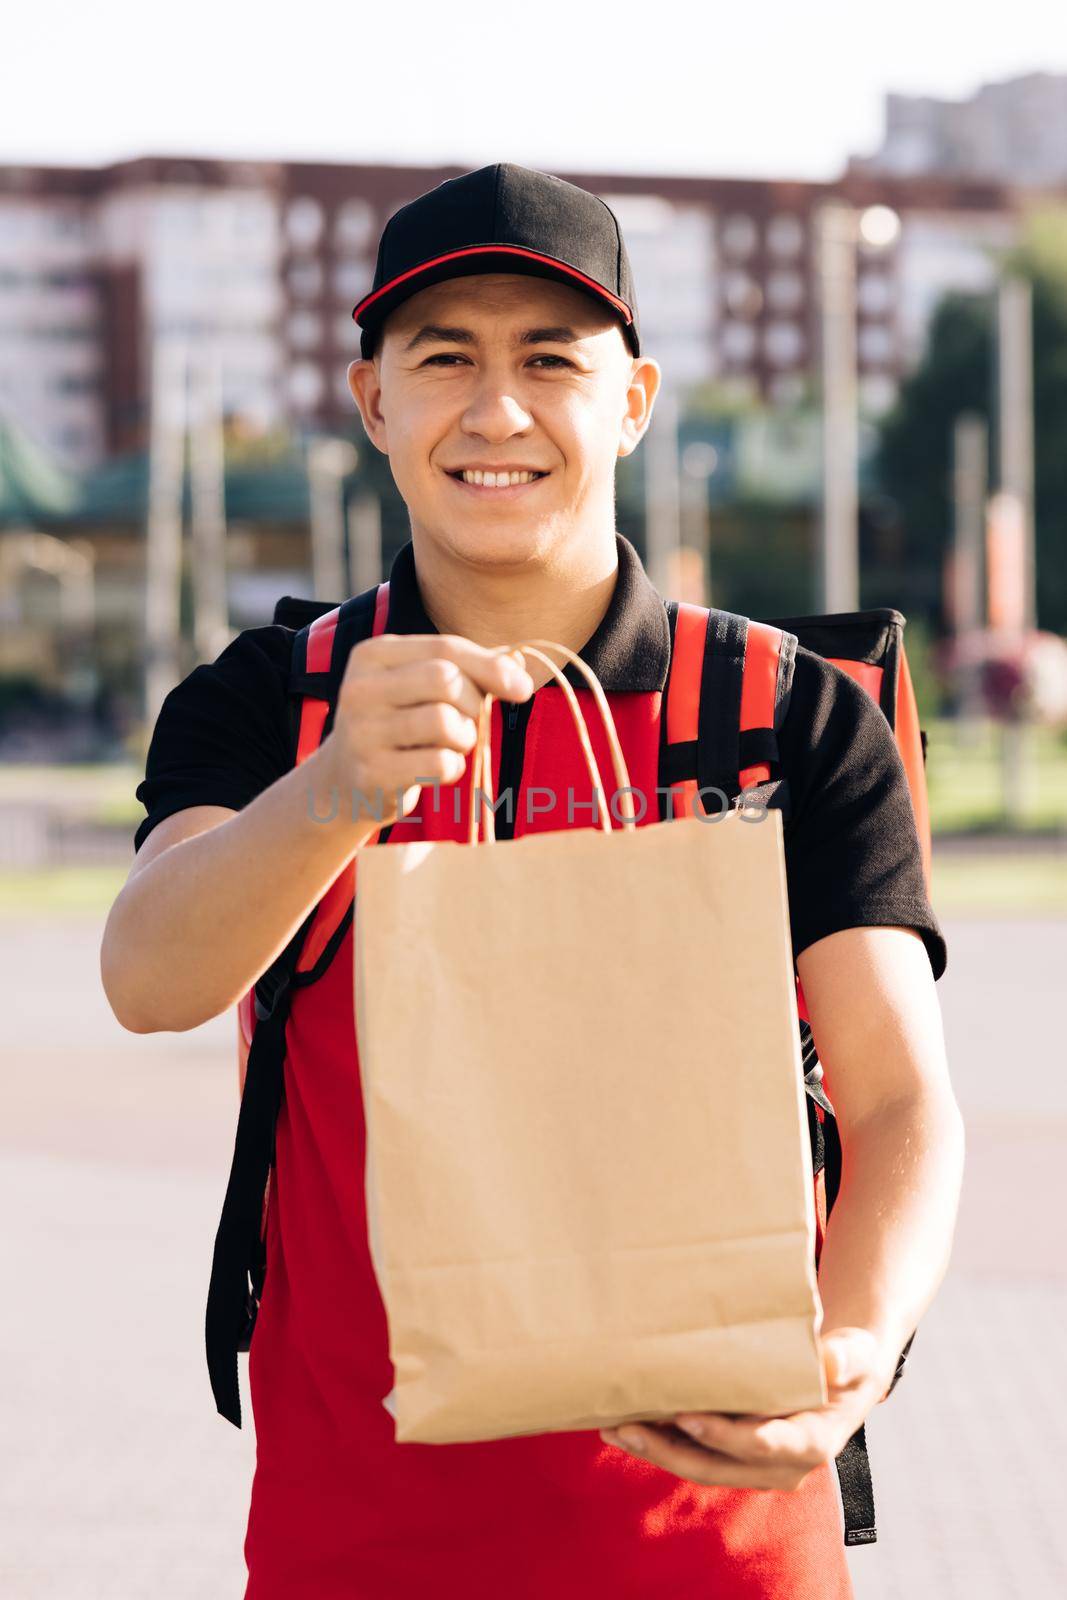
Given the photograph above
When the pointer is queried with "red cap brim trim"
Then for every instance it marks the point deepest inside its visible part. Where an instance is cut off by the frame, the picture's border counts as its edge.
(494, 249)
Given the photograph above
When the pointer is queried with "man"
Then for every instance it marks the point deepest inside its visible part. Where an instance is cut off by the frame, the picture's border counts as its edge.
(501, 336)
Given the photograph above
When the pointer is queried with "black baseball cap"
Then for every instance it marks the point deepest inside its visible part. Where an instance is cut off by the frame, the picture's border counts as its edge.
(503, 218)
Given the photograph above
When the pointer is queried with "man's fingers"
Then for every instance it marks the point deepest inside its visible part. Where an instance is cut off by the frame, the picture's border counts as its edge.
(429, 681)
(757, 1439)
(668, 1448)
(492, 673)
(436, 725)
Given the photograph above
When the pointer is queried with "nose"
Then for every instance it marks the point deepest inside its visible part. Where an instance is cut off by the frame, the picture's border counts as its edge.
(494, 412)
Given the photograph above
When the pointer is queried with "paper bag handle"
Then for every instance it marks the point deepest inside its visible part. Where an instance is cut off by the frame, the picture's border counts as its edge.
(482, 767)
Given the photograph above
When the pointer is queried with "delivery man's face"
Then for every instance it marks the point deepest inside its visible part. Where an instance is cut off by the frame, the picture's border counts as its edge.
(500, 371)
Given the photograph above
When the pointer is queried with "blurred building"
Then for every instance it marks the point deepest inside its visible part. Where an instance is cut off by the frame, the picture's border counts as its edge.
(257, 265)
(1013, 132)
(265, 260)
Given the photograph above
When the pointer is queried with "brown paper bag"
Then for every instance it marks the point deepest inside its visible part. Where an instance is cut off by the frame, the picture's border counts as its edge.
(589, 1187)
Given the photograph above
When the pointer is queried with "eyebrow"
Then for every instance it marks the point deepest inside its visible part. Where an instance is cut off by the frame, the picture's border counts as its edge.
(436, 333)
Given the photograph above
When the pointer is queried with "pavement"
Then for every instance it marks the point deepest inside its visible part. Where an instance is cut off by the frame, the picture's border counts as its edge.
(120, 1481)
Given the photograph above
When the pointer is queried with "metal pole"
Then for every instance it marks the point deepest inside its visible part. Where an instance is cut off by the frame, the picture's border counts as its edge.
(1015, 426)
(836, 234)
(699, 461)
(211, 631)
(970, 476)
(329, 462)
(1015, 420)
(663, 519)
(163, 554)
(969, 487)
(364, 543)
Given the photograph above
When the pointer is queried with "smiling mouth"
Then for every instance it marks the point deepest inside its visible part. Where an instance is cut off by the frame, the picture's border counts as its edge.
(523, 481)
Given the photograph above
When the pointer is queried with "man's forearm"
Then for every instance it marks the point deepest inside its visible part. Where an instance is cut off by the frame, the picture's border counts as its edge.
(889, 1235)
(195, 927)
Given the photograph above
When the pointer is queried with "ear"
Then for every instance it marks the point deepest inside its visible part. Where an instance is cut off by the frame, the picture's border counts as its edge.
(364, 381)
(642, 388)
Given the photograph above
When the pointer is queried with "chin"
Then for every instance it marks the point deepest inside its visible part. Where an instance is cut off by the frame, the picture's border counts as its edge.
(498, 542)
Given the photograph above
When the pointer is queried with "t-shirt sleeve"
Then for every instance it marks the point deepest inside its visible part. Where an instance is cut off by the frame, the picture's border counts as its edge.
(852, 849)
(222, 734)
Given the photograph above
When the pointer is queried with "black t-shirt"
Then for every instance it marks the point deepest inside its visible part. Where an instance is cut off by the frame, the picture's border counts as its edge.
(851, 846)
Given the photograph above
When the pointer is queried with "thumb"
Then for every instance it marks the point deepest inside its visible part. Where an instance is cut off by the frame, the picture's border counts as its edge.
(849, 1354)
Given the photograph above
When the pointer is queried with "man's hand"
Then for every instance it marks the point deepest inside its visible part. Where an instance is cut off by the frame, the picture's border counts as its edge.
(753, 1452)
(407, 713)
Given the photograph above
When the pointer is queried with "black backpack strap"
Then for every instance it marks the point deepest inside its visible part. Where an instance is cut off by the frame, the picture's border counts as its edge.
(231, 1304)
(238, 1265)
(722, 751)
(713, 759)
(292, 612)
(853, 1464)
(857, 1490)
(719, 761)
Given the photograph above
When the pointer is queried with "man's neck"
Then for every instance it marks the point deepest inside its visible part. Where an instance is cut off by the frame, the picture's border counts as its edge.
(562, 600)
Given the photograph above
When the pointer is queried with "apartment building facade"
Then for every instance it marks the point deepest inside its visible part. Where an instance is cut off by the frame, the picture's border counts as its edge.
(263, 261)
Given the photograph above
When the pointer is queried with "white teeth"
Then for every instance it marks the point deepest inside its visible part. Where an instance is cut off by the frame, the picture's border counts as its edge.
(498, 480)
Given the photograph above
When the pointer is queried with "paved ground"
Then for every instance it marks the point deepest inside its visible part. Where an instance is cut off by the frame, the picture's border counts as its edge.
(120, 1482)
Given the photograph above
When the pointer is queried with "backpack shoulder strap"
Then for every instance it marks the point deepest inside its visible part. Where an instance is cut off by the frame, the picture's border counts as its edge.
(320, 654)
(239, 1255)
(869, 647)
(317, 665)
(726, 695)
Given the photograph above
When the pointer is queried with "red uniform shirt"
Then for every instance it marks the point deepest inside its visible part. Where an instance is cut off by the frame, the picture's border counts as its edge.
(339, 1511)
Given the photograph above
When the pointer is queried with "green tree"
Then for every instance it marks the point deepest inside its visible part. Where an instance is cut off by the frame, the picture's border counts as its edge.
(958, 373)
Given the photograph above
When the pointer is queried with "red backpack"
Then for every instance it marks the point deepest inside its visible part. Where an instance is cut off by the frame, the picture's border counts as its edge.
(719, 659)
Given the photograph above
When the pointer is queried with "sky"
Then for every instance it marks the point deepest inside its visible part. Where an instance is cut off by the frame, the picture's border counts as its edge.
(781, 88)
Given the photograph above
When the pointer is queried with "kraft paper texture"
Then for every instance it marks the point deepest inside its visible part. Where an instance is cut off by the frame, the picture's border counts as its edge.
(588, 1171)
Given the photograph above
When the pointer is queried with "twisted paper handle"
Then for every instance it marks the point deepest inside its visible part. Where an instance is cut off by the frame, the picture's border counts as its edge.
(482, 767)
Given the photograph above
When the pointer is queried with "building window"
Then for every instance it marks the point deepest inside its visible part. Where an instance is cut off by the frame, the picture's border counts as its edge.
(743, 295)
(305, 330)
(305, 279)
(75, 440)
(306, 386)
(355, 224)
(785, 235)
(738, 341)
(739, 236)
(875, 344)
(77, 383)
(785, 290)
(352, 279)
(874, 293)
(303, 222)
(783, 343)
(346, 333)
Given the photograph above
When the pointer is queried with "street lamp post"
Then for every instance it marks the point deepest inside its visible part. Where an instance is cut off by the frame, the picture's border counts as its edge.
(699, 461)
(663, 509)
(840, 229)
(329, 462)
(163, 552)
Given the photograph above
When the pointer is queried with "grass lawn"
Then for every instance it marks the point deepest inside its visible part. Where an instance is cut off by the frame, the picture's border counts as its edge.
(968, 882)
(98, 793)
(977, 883)
(965, 779)
(68, 890)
